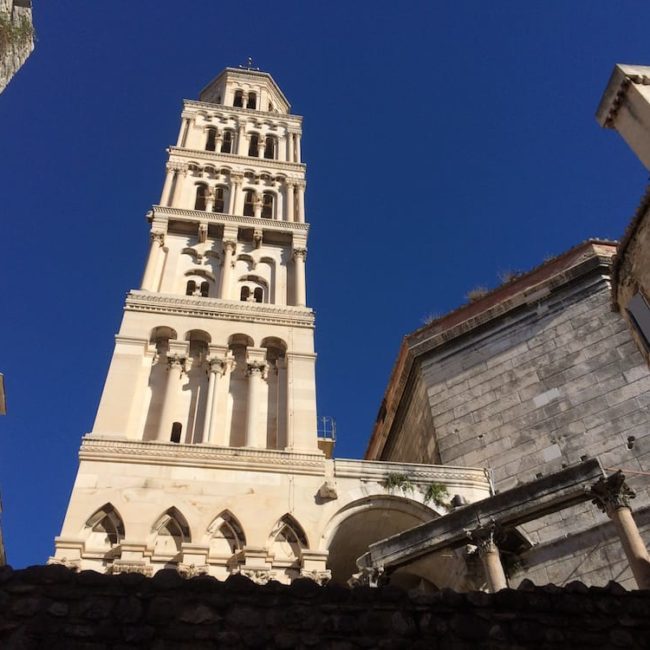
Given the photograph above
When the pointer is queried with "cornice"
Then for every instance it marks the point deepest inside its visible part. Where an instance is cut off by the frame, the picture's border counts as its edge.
(236, 110)
(246, 161)
(617, 86)
(213, 308)
(474, 477)
(198, 216)
(206, 456)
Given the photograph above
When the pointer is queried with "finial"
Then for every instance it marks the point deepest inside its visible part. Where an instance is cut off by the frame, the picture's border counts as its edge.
(249, 65)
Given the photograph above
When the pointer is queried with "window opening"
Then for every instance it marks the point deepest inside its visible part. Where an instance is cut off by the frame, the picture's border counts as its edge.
(258, 294)
(253, 147)
(244, 293)
(205, 288)
(269, 149)
(219, 202)
(201, 197)
(177, 429)
(252, 101)
(639, 310)
(211, 142)
(191, 288)
(249, 204)
(239, 99)
(267, 206)
(226, 145)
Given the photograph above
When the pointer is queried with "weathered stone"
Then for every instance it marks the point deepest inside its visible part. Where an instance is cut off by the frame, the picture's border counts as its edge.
(403, 623)
(129, 609)
(167, 579)
(58, 609)
(198, 613)
(470, 627)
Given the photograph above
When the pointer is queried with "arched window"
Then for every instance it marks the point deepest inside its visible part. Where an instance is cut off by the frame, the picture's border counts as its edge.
(219, 202)
(249, 204)
(201, 197)
(253, 147)
(227, 142)
(106, 527)
(252, 101)
(177, 429)
(267, 205)
(270, 148)
(205, 288)
(170, 531)
(190, 288)
(245, 293)
(258, 294)
(239, 99)
(211, 142)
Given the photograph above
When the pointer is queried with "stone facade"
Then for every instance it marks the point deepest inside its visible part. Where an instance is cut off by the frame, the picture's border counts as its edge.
(16, 37)
(533, 377)
(204, 455)
(54, 608)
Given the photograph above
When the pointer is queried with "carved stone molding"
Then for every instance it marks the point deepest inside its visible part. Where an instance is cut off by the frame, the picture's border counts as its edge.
(238, 158)
(157, 237)
(486, 537)
(300, 254)
(192, 570)
(328, 490)
(256, 368)
(320, 577)
(218, 366)
(258, 576)
(612, 493)
(74, 565)
(176, 361)
(368, 577)
(131, 566)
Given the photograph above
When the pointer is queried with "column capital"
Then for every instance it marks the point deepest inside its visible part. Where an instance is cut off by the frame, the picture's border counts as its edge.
(611, 493)
(300, 254)
(300, 183)
(237, 178)
(218, 366)
(256, 368)
(230, 245)
(157, 237)
(176, 361)
(486, 537)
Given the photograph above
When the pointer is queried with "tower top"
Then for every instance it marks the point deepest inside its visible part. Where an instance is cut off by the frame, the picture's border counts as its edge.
(246, 79)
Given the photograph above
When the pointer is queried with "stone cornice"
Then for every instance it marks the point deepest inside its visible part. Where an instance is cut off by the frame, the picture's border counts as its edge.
(198, 216)
(215, 109)
(212, 308)
(95, 448)
(474, 477)
(244, 161)
(617, 86)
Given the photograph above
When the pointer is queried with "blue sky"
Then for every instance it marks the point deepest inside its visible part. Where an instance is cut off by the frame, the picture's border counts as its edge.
(445, 143)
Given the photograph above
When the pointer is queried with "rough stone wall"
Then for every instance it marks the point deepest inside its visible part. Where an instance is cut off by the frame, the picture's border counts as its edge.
(541, 388)
(54, 609)
(17, 41)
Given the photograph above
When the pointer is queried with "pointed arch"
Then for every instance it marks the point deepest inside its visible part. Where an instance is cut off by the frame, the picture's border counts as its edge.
(226, 536)
(170, 532)
(287, 541)
(105, 527)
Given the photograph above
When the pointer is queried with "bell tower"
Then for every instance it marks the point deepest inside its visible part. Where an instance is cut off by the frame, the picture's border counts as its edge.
(216, 347)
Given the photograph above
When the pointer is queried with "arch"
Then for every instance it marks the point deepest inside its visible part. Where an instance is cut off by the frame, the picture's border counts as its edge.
(287, 541)
(201, 199)
(227, 144)
(249, 203)
(252, 101)
(241, 339)
(258, 294)
(105, 527)
(238, 100)
(205, 289)
(211, 139)
(253, 145)
(225, 535)
(268, 205)
(219, 204)
(364, 521)
(203, 273)
(190, 288)
(273, 342)
(271, 147)
(162, 331)
(169, 533)
(244, 293)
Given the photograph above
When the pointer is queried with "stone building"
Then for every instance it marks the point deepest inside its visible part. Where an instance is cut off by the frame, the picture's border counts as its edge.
(541, 374)
(204, 454)
(16, 37)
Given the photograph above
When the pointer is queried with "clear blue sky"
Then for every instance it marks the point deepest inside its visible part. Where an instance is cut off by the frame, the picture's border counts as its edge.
(445, 142)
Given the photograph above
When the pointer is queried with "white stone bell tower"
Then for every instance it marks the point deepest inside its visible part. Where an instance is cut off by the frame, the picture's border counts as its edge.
(217, 346)
(204, 454)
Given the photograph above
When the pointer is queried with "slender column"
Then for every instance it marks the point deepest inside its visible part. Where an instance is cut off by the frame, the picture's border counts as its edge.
(229, 249)
(300, 188)
(169, 179)
(299, 258)
(261, 146)
(182, 134)
(281, 395)
(255, 373)
(484, 538)
(298, 153)
(216, 369)
(209, 199)
(175, 368)
(157, 242)
(218, 141)
(242, 141)
(612, 495)
(236, 181)
(289, 148)
(290, 201)
(258, 206)
(290, 438)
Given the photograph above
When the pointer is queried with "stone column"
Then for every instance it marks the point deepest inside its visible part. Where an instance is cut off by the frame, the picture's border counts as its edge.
(236, 182)
(258, 206)
(484, 538)
(261, 146)
(169, 179)
(300, 188)
(175, 368)
(218, 141)
(612, 495)
(182, 134)
(289, 155)
(242, 141)
(229, 249)
(299, 258)
(216, 369)
(298, 152)
(256, 371)
(209, 199)
(290, 201)
(148, 279)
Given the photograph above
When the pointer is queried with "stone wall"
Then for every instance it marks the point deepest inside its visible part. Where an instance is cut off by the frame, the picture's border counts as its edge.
(16, 37)
(538, 387)
(54, 608)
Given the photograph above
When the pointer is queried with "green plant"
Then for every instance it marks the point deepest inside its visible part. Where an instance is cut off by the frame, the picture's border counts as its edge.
(14, 34)
(437, 493)
(396, 480)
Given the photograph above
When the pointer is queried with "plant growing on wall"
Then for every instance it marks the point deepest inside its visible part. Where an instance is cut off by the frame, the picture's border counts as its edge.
(12, 34)
(395, 480)
(437, 493)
